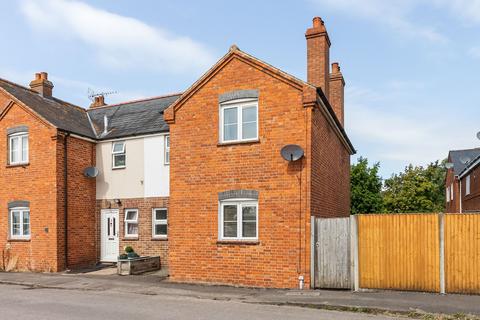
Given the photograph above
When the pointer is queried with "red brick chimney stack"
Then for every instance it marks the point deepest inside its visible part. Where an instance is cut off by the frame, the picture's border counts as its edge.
(42, 85)
(337, 85)
(99, 101)
(318, 55)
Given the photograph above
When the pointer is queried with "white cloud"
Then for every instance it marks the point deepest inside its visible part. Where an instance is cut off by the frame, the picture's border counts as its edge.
(392, 14)
(118, 41)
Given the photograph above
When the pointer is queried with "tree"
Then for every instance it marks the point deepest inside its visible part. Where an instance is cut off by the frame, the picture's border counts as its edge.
(366, 187)
(417, 189)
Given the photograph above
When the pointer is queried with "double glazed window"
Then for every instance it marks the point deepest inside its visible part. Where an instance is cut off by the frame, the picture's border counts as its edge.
(239, 121)
(167, 149)
(467, 185)
(159, 223)
(239, 220)
(20, 223)
(131, 223)
(118, 155)
(18, 148)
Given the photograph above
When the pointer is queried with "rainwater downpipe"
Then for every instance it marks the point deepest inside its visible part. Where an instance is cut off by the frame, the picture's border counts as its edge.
(460, 183)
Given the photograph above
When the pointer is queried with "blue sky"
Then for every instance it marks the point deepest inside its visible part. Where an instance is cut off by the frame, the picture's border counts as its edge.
(411, 66)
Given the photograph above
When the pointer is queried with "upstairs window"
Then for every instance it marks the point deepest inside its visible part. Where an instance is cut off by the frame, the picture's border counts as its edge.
(159, 223)
(167, 149)
(118, 155)
(238, 220)
(467, 185)
(131, 223)
(20, 223)
(451, 191)
(447, 194)
(18, 148)
(239, 121)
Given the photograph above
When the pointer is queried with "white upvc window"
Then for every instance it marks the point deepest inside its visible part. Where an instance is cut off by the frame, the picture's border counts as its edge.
(167, 149)
(451, 191)
(239, 121)
(20, 223)
(159, 223)
(131, 223)
(238, 219)
(467, 185)
(447, 194)
(18, 148)
(119, 155)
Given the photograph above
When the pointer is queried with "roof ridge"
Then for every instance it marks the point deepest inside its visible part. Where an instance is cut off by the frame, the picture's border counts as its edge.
(18, 85)
(471, 149)
(138, 100)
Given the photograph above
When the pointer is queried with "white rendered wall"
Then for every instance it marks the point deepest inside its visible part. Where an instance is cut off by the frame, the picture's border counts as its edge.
(157, 173)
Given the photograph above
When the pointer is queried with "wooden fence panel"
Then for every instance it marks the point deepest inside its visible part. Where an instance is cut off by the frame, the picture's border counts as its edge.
(399, 251)
(462, 253)
(332, 265)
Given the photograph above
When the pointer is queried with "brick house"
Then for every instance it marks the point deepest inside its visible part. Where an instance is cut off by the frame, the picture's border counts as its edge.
(83, 183)
(239, 213)
(462, 186)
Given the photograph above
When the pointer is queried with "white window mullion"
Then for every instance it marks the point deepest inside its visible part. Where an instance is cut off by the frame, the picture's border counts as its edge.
(240, 123)
(239, 220)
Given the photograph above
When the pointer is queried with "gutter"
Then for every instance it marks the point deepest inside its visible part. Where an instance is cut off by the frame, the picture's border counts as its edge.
(469, 168)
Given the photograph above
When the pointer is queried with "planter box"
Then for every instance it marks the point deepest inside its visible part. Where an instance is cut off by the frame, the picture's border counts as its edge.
(137, 265)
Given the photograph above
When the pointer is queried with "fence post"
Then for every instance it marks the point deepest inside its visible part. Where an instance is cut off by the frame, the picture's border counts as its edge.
(313, 247)
(354, 252)
(441, 233)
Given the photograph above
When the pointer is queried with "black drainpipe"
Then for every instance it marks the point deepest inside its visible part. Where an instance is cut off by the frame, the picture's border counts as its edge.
(65, 178)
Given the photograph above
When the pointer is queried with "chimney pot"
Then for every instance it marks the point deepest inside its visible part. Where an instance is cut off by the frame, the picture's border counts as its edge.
(317, 22)
(98, 101)
(335, 67)
(44, 76)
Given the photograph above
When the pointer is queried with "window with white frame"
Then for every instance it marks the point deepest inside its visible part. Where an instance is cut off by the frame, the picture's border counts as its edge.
(18, 148)
(159, 223)
(451, 191)
(447, 194)
(467, 185)
(118, 155)
(20, 223)
(131, 223)
(167, 149)
(239, 121)
(238, 220)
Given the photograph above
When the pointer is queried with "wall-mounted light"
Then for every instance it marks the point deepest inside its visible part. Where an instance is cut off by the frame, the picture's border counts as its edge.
(118, 202)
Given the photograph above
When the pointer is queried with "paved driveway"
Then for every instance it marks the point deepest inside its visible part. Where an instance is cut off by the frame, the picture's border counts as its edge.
(19, 302)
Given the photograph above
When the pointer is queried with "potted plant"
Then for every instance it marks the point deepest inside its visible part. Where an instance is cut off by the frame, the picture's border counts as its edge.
(130, 252)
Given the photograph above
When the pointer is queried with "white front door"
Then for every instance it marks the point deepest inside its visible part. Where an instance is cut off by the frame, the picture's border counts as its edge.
(109, 235)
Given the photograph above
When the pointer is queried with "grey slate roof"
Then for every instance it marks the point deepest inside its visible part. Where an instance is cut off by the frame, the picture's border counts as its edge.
(456, 155)
(132, 118)
(61, 114)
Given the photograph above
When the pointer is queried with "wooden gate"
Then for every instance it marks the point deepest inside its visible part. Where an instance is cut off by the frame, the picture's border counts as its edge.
(332, 253)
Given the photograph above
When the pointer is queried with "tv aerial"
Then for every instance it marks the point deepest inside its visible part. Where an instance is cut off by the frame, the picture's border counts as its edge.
(92, 94)
(478, 135)
(292, 152)
(465, 160)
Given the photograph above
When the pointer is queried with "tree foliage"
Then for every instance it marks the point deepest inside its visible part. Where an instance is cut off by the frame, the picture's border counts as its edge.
(417, 189)
(366, 187)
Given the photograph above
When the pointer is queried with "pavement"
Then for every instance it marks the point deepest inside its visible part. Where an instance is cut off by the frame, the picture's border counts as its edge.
(386, 304)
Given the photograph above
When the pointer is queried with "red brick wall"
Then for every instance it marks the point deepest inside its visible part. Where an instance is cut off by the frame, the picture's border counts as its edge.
(330, 193)
(471, 202)
(81, 201)
(35, 183)
(200, 168)
(145, 244)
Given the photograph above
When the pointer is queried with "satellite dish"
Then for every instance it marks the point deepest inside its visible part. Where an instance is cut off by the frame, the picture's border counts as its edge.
(449, 165)
(478, 135)
(465, 160)
(291, 152)
(90, 172)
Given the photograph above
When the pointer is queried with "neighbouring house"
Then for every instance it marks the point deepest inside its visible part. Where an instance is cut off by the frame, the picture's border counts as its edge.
(462, 186)
(220, 206)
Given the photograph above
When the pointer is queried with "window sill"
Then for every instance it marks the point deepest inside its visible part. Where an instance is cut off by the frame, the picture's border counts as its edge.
(119, 168)
(18, 165)
(130, 238)
(159, 239)
(19, 240)
(238, 242)
(222, 144)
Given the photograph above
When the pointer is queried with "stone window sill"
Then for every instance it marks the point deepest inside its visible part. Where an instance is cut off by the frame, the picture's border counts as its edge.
(238, 242)
(17, 165)
(18, 240)
(224, 144)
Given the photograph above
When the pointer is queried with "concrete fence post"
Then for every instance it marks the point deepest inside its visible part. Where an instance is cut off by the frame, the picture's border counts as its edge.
(354, 252)
(441, 234)
(313, 248)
